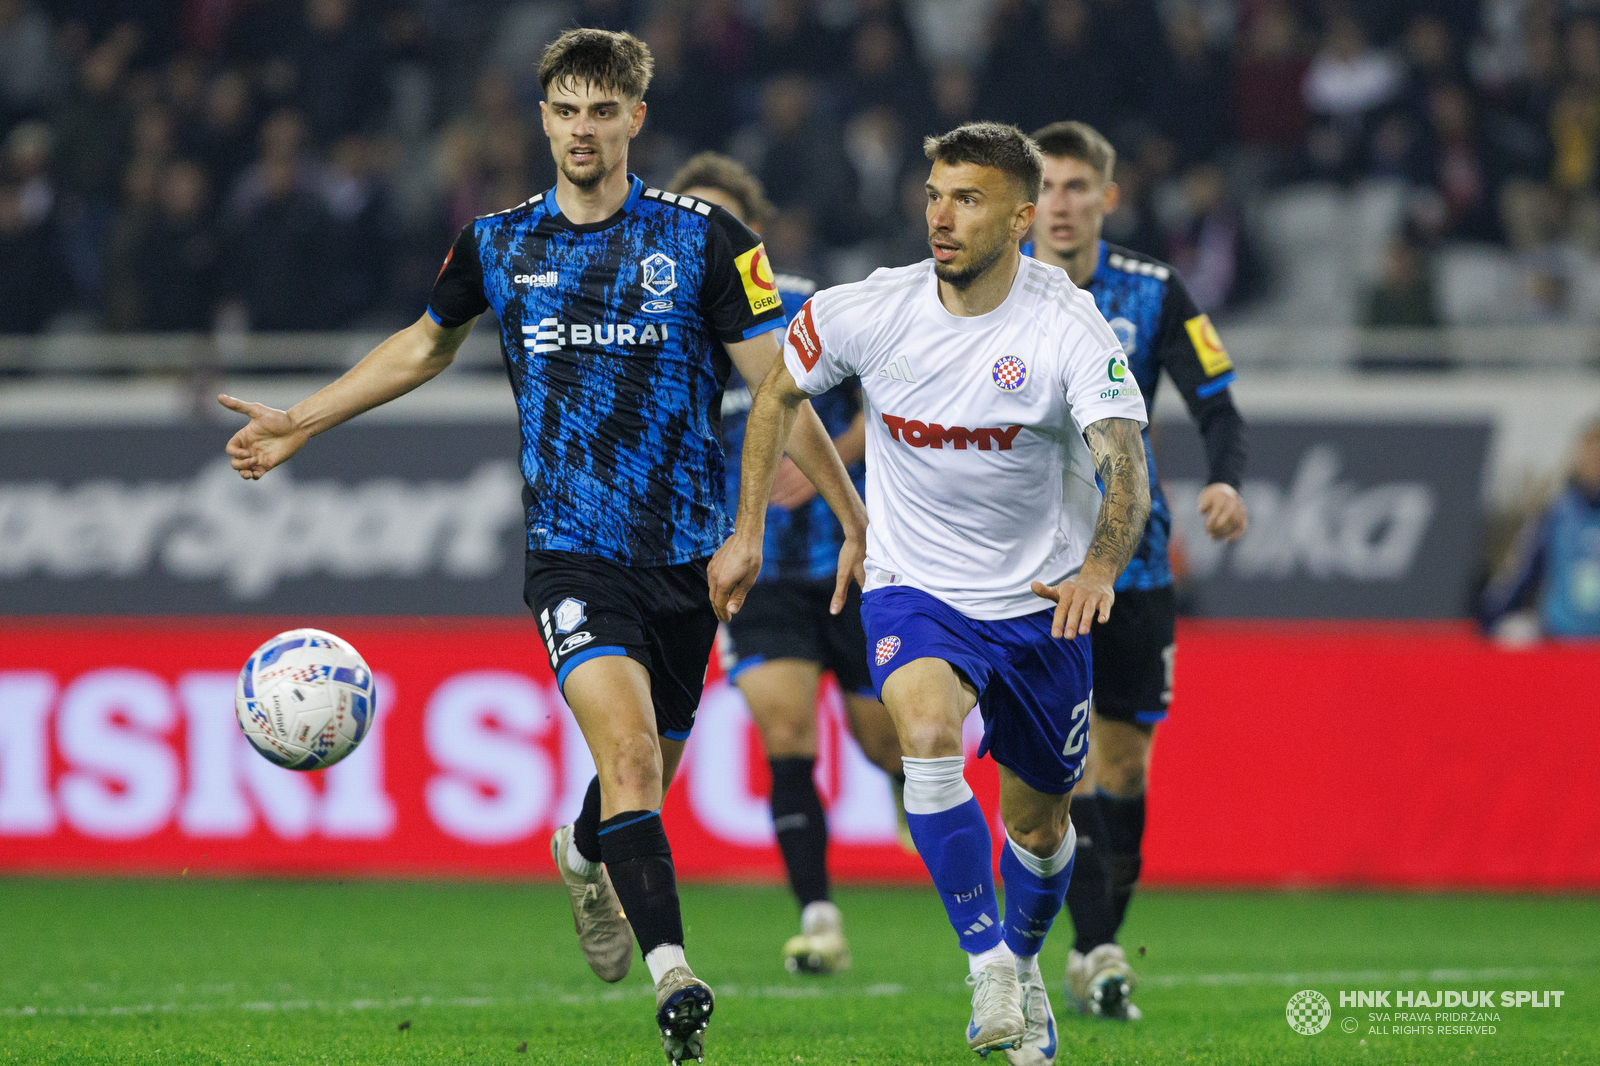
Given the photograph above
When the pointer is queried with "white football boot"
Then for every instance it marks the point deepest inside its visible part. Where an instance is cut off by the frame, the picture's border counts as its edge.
(683, 1007)
(1102, 983)
(820, 948)
(1039, 1041)
(997, 1020)
(603, 930)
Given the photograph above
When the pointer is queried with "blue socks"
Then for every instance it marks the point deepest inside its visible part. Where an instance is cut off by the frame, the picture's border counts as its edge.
(1035, 890)
(952, 836)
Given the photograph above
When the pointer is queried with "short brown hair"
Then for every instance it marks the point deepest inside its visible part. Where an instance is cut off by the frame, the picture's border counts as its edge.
(1080, 141)
(601, 58)
(991, 144)
(713, 170)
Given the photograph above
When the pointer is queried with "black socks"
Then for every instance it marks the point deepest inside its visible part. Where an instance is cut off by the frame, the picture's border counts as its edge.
(634, 847)
(1110, 834)
(801, 826)
(1124, 822)
(586, 829)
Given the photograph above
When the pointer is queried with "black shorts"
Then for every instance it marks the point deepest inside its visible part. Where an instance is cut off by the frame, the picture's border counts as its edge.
(660, 616)
(1133, 657)
(788, 619)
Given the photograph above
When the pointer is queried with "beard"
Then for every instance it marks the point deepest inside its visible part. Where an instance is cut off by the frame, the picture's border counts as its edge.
(587, 179)
(982, 260)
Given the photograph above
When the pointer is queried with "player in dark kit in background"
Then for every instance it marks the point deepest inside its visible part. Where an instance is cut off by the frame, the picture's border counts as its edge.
(1160, 328)
(619, 308)
(785, 637)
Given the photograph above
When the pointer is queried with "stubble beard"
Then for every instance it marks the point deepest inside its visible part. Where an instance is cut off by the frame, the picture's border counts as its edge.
(965, 277)
(590, 180)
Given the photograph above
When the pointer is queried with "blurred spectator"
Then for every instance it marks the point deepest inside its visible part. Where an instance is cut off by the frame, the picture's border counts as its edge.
(32, 273)
(1269, 109)
(1403, 294)
(1346, 85)
(360, 234)
(909, 244)
(277, 247)
(1192, 104)
(1133, 224)
(879, 151)
(801, 161)
(1488, 112)
(955, 96)
(180, 255)
(882, 74)
(681, 105)
(224, 138)
(1041, 73)
(1208, 246)
(29, 71)
(1459, 170)
(339, 85)
(791, 39)
(1554, 566)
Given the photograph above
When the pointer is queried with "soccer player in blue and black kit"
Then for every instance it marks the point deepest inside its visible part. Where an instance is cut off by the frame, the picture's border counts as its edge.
(785, 637)
(1160, 328)
(620, 308)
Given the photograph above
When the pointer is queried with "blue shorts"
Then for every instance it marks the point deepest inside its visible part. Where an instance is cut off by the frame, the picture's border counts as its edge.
(1033, 690)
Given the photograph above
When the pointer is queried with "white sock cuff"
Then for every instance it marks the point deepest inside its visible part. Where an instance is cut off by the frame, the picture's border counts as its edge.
(1046, 867)
(934, 785)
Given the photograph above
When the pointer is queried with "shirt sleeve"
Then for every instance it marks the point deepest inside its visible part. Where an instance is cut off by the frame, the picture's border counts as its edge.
(1095, 374)
(815, 361)
(739, 298)
(458, 295)
(1188, 346)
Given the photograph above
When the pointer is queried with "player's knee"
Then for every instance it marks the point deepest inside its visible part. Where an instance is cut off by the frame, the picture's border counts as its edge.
(1039, 833)
(1121, 775)
(632, 769)
(785, 738)
(929, 739)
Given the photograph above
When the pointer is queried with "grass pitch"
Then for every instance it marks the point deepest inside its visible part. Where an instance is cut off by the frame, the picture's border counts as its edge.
(165, 972)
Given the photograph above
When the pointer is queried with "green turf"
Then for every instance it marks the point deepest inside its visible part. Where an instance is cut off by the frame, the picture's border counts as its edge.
(284, 972)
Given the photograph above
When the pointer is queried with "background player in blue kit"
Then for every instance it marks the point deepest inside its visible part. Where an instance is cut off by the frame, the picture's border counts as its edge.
(1160, 328)
(785, 637)
(620, 308)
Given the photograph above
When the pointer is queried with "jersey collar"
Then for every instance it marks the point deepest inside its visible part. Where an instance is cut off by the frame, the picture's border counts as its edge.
(979, 322)
(553, 210)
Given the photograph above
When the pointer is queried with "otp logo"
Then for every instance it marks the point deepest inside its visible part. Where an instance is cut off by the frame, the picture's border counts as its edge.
(933, 435)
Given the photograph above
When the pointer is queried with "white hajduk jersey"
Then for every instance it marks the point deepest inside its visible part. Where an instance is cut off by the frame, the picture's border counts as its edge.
(978, 478)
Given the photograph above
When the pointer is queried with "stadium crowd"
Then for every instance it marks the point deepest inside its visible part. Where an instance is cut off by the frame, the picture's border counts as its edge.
(303, 164)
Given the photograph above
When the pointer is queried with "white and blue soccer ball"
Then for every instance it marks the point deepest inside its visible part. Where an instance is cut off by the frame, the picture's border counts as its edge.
(305, 699)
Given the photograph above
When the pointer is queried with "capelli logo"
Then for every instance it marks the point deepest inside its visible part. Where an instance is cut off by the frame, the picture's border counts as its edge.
(548, 280)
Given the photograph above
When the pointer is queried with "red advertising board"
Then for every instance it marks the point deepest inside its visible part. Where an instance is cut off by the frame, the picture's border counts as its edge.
(1393, 754)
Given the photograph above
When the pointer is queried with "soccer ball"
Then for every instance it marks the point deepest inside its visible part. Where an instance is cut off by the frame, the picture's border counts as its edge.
(305, 699)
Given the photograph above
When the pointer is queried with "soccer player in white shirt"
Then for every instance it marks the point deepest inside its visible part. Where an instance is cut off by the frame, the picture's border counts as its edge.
(995, 393)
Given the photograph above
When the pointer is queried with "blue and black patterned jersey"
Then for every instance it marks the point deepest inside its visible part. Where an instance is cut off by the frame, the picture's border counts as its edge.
(1160, 327)
(613, 337)
(803, 543)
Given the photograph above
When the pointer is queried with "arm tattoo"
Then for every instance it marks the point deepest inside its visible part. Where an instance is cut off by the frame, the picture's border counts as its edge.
(1118, 450)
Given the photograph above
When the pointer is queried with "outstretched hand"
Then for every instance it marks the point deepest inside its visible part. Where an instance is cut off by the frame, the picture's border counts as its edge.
(270, 438)
(1080, 601)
